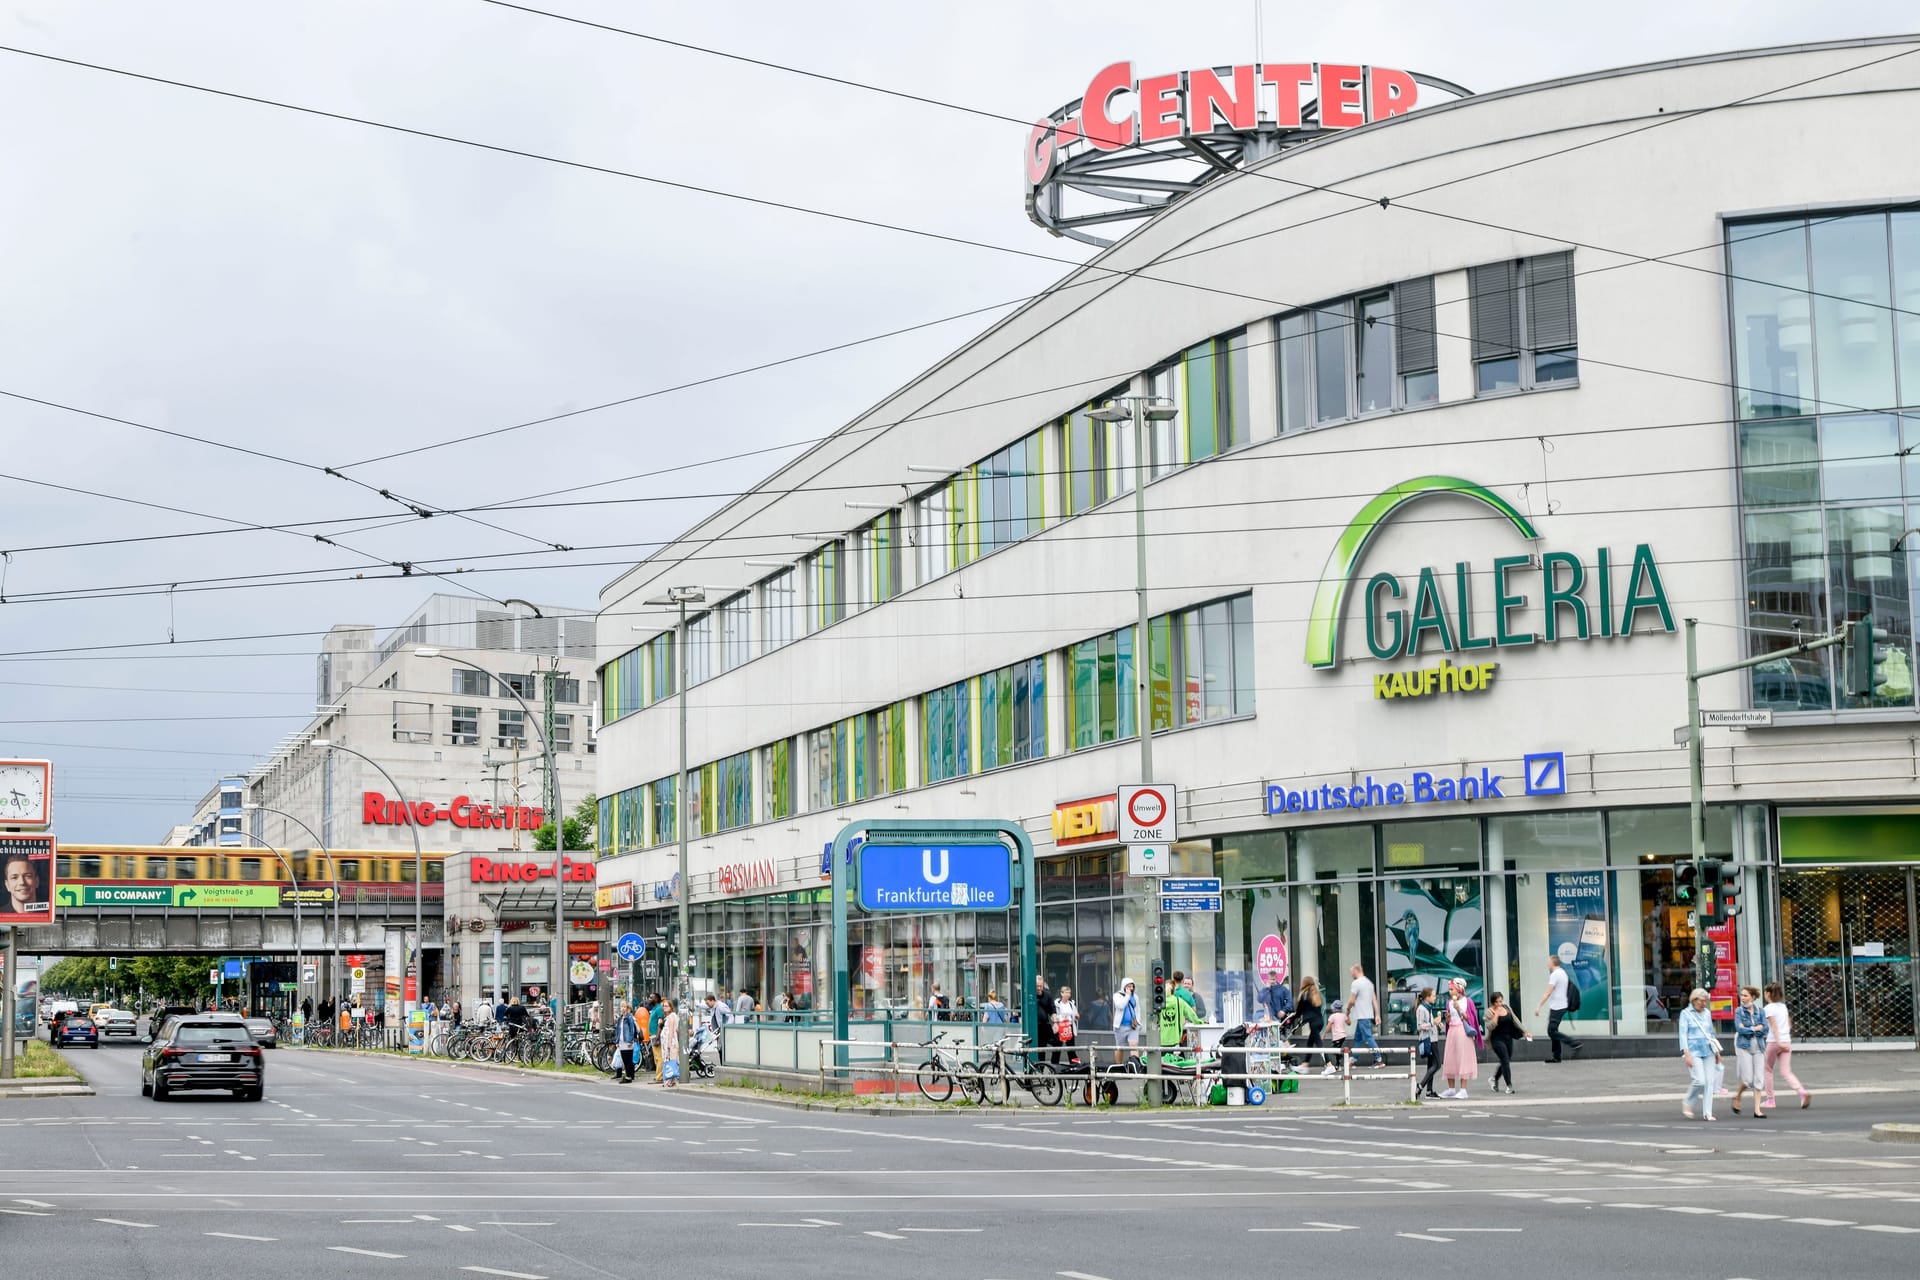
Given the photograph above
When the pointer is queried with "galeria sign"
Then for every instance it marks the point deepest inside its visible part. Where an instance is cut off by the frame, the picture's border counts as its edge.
(1237, 99)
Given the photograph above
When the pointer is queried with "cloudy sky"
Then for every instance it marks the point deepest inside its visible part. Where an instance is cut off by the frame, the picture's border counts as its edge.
(313, 293)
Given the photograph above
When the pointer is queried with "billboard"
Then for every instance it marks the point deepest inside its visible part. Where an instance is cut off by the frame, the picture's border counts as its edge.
(26, 879)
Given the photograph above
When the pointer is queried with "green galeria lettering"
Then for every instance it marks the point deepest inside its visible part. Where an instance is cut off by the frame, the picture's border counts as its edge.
(1391, 649)
(1654, 596)
(1467, 639)
(1429, 614)
(1557, 599)
(1504, 601)
(1604, 571)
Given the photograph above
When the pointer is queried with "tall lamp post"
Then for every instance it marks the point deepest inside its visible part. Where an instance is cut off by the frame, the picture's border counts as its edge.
(1140, 410)
(559, 984)
(333, 972)
(299, 952)
(419, 876)
(681, 597)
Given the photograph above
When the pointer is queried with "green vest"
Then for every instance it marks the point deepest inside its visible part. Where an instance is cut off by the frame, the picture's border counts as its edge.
(1175, 1018)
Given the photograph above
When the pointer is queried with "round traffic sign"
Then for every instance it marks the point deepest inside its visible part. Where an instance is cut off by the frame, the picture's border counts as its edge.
(1146, 807)
(631, 946)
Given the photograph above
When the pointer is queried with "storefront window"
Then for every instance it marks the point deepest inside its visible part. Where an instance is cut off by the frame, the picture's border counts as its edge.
(1552, 902)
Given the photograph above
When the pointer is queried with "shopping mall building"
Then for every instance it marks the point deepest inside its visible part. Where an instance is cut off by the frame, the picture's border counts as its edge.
(1477, 404)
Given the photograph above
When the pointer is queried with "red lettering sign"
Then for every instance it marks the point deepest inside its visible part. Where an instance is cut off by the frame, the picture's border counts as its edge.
(488, 871)
(378, 811)
(739, 877)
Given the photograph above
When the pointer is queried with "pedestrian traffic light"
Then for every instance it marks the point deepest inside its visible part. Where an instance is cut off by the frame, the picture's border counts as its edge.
(1686, 882)
(1159, 986)
(1857, 652)
(1718, 883)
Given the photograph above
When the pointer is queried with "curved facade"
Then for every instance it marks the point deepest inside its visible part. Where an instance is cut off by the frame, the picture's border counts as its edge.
(1475, 407)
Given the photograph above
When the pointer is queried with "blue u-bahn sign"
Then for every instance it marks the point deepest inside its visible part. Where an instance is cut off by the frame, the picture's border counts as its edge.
(935, 877)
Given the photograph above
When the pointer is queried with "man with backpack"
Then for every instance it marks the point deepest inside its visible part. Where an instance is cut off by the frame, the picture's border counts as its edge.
(1561, 999)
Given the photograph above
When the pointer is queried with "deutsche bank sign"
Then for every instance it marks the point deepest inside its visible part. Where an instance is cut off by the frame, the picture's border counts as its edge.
(917, 877)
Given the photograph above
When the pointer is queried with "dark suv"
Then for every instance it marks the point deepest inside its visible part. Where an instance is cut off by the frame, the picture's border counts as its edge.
(203, 1051)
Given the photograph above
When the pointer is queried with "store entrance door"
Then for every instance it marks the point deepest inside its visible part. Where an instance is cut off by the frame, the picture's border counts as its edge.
(989, 974)
(1849, 946)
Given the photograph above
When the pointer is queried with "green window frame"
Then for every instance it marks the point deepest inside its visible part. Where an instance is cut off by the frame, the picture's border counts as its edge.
(777, 801)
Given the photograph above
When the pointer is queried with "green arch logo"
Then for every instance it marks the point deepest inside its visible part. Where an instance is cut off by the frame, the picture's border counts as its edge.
(1323, 624)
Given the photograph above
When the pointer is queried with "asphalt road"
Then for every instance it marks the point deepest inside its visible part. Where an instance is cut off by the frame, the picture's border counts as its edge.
(375, 1168)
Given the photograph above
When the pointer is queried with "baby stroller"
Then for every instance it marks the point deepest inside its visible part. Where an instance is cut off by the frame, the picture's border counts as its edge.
(703, 1054)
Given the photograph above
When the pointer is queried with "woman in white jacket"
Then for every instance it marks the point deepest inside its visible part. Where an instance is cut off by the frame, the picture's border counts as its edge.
(1126, 1020)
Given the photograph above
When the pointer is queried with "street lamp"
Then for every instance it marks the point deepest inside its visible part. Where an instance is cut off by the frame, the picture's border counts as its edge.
(1141, 410)
(419, 876)
(333, 971)
(559, 983)
(299, 952)
(681, 597)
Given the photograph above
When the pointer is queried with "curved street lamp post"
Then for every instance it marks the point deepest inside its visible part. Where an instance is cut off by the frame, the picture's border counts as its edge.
(419, 879)
(333, 972)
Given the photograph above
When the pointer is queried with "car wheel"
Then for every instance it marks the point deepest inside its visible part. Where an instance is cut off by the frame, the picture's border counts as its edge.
(255, 1094)
(146, 1090)
(159, 1090)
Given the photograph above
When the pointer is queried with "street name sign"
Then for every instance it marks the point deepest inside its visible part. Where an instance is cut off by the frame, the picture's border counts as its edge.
(1189, 902)
(1744, 718)
(931, 877)
(1189, 884)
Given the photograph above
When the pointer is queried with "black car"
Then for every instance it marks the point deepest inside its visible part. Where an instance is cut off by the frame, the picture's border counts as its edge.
(77, 1028)
(203, 1051)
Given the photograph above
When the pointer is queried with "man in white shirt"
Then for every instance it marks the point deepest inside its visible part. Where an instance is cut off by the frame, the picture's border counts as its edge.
(1362, 1009)
(1555, 1003)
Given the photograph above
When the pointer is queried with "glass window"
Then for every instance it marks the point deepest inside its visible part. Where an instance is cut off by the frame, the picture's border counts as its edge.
(1906, 300)
(1327, 853)
(1772, 318)
(827, 586)
(1870, 581)
(1165, 436)
(513, 728)
(1852, 320)
(777, 609)
(1435, 932)
(946, 717)
(1331, 339)
(736, 634)
(1242, 612)
(1202, 408)
(1537, 841)
(562, 732)
(699, 649)
(1373, 357)
(1013, 727)
(664, 810)
(463, 726)
(1444, 842)
(777, 784)
(1860, 457)
(471, 684)
(661, 676)
(1296, 370)
(1779, 463)
(1786, 602)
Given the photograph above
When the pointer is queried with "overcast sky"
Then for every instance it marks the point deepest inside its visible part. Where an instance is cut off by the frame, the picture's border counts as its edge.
(326, 292)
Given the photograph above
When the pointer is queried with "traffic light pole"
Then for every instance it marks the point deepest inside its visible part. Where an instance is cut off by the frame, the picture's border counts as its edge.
(1697, 814)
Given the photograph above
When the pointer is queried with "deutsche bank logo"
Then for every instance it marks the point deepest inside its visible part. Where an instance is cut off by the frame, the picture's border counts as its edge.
(1546, 773)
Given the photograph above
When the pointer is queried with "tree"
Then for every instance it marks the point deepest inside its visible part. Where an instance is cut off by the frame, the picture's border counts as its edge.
(577, 829)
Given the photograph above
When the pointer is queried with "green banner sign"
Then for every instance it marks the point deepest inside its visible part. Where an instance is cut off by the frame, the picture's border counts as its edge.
(181, 895)
(306, 897)
(226, 895)
(115, 895)
(1840, 839)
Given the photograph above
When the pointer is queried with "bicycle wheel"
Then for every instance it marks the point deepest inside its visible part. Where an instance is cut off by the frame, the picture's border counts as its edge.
(973, 1085)
(996, 1086)
(1045, 1087)
(935, 1081)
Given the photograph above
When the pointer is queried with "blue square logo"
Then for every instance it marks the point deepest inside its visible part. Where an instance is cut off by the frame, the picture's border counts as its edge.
(1546, 773)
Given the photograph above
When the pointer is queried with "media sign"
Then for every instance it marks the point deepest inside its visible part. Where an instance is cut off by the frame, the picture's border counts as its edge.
(27, 890)
(913, 877)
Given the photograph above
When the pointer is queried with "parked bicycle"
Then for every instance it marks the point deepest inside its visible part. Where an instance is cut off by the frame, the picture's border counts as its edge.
(993, 1080)
(938, 1074)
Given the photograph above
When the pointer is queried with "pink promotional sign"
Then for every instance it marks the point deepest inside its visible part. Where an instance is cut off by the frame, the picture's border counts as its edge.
(1270, 961)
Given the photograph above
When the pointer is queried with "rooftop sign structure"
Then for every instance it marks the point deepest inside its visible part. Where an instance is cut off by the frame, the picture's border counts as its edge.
(1131, 146)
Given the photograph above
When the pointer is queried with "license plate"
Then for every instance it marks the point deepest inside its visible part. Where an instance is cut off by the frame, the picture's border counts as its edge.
(213, 1057)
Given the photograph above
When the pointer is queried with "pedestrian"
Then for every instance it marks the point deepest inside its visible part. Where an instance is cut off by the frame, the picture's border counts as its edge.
(1066, 1021)
(1749, 1050)
(656, 1029)
(626, 1045)
(1363, 1007)
(1463, 1041)
(938, 1009)
(1426, 1027)
(669, 1045)
(992, 1009)
(1313, 1011)
(1555, 1001)
(1780, 1045)
(454, 1013)
(1336, 1038)
(500, 1009)
(1043, 1037)
(783, 1006)
(1126, 1020)
(1175, 1017)
(1700, 1050)
(1502, 1030)
(719, 1013)
(743, 1005)
(306, 1009)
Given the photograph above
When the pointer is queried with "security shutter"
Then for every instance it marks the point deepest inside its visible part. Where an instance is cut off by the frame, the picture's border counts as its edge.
(1413, 350)
(1550, 302)
(1495, 308)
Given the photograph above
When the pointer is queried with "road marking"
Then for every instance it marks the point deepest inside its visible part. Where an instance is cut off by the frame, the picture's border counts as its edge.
(1460, 1231)
(365, 1253)
(491, 1223)
(1078, 1275)
(122, 1222)
(1905, 1231)
(425, 1217)
(1757, 1217)
(34, 1204)
(1820, 1222)
(883, 1235)
(495, 1271)
(372, 1222)
(944, 1231)
(28, 1213)
(804, 1226)
(1687, 1208)
(1415, 1235)
(1304, 1231)
(228, 1235)
(455, 1226)
(820, 1222)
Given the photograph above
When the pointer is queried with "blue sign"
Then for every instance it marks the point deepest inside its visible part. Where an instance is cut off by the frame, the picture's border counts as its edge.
(631, 946)
(1546, 773)
(1190, 902)
(826, 855)
(1195, 884)
(913, 877)
(233, 968)
(1421, 788)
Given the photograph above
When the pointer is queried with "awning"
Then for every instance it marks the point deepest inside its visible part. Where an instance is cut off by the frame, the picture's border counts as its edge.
(535, 901)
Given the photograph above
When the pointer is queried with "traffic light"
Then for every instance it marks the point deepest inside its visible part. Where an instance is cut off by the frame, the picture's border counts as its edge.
(1719, 883)
(1159, 986)
(1686, 883)
(1709, 891)
(1857, 654)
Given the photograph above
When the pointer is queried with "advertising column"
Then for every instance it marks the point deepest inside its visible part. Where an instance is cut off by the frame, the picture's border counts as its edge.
(1577, 933)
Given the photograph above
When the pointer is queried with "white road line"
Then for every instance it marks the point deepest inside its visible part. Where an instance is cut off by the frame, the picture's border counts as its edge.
(1415, 1235)
(28, 1213)
(944, 1231)
(1288, 1231)
(228, 1235)
(1905, 1231)
(1821, 1222)
(365, 1253)
(122, 1222)
(372, 1222)
(1460, 1231)
(495, 1271)
(455, 1226)
(820, 1222)
(1687, 1208)
(804, 1226)
(34, 1204)
(887, 1235)
(1756, 1217)
(491, 1223)
(1078, 1275)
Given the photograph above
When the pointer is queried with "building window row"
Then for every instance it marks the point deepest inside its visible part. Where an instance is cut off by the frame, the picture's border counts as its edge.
(413, 722)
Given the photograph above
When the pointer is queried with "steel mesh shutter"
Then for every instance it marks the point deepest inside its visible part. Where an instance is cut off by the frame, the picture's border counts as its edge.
(1550, 302)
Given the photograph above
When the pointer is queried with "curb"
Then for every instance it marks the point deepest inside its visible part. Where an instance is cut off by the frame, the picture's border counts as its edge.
(75, 1086)
(1895, 1133)
(425, 1059)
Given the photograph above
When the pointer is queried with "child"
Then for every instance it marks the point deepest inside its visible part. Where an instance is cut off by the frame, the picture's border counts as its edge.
(1336, 1037)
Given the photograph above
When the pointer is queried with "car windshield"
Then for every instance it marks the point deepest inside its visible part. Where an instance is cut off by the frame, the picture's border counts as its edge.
(79, 1024)
(205, 1034)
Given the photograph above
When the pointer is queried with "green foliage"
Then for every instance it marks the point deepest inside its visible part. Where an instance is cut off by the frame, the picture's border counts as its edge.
(576, 829)
(167, 977)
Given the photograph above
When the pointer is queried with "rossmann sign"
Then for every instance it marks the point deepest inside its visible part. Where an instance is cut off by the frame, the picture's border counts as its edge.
(1537, 596)
(492, 871)
(378, 811)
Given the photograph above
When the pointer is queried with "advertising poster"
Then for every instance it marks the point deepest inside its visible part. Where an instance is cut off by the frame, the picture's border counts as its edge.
(1434, 930)
(26, 879)
(1726, 987)
(391, 972)
(1577, 933)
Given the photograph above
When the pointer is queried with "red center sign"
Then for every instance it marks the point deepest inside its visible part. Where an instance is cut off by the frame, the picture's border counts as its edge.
(1146, 814)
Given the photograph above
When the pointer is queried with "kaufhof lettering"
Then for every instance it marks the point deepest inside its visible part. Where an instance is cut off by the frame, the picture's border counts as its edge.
(1472, 677)
(1421, 788)
(378, 811)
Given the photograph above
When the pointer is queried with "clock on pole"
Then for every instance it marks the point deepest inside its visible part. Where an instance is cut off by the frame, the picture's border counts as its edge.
(26, 793)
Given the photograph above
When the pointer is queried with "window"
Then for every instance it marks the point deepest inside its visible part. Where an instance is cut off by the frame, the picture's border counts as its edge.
(826, 767)
(513, 728)
(931, 533)
(1099, 461)
(189, 869)
(1013, 714)
(1101, 696)
(249, 868)
(605, 833)
(736, 632)
(1010, 499)
(1164, 438)
(1373, 354)
(566, 689)
(463, 726)
(1212, 656)
(631, 814)
(777, 603)
(1215, 412)
(1355, 356)
(699, 649)
(826, 586)
(662, 679)
(469, 683)
(877, 750)
(662, 793)
(1415, 350)
(621, 685)
(946, 720)
(413, 722)
(1333, 390)
(526, 686)
(1523, 323)
(562, 733)
(777, 780)
(156, 868)
(726, 793)
(876, 562)
(1200, 669)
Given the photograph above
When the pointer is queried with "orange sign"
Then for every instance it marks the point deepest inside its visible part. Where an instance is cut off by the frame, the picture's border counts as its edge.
(1088, 823)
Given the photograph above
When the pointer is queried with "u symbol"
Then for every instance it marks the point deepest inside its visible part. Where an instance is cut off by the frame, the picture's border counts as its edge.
(926, 866)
